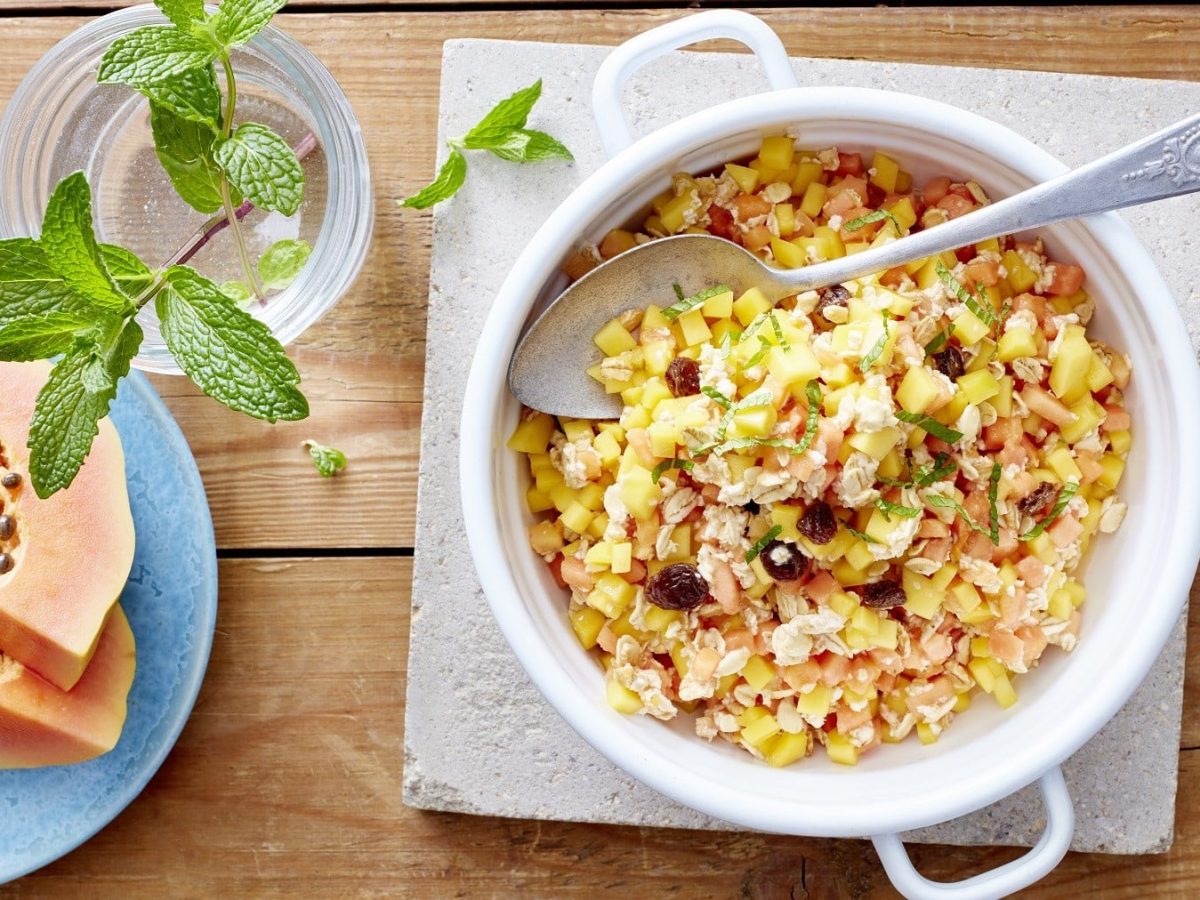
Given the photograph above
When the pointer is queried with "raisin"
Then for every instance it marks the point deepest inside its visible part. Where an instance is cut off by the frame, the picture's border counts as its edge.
(950, 363)
(834, 295)
(875, 195)
(683, 376)
(1038, 500)
(751, 507)
(882, 594)
(677, 586)
(784, 561)
(818, 524)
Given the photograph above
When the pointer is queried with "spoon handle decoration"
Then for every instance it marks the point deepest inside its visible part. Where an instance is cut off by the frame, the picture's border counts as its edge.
(1166, 164)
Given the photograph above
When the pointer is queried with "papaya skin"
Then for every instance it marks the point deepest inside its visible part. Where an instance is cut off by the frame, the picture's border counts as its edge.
(41, 725)
(71, 553)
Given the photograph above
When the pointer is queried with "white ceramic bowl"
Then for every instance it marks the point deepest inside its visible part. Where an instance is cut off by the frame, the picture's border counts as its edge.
(1137, 580)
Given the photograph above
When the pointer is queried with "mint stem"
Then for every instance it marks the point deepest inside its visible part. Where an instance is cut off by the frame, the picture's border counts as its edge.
(231, 216)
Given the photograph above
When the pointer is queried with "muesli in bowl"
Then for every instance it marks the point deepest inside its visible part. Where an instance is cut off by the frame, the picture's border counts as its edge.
(835, 519)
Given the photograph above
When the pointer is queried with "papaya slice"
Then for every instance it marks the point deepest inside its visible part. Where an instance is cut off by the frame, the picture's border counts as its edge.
(41, 725)
(63, 560)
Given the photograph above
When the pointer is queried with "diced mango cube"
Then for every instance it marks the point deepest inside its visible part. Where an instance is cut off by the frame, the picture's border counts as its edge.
(611, 595)
(1015, 343)
(614, 339)
(533, 434)
(796, 365)
(887, 170)
(1068, 374)
(692, 327)
(1060, 460)
(813, 200)
(806, 173)
(918, 389)
(966, 596)
(876, 444)
(586, 622)
(622, 699)
(978, 386)
(969, 328)
(1020, 277)
(840, 750)
(622, 558)
(1099, 375)
(922, 597)
(746, 178)
(718, 306)
(750, 306)
(758, 672)
(538, 501)
(816, 702)
(777, 152)
(638, 492)
(760, 731)
(927, 734)
(544, 538)
(1088, 415)
(1003, 691)
(785, 749)
(1112, 468)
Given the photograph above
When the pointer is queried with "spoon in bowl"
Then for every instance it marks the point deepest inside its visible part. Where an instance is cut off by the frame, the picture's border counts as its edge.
(547, 369)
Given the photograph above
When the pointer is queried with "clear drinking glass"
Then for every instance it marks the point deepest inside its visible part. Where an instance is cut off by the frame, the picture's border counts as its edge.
(60, 121)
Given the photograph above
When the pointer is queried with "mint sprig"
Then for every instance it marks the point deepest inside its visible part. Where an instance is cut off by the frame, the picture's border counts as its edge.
(76, 298)
(502, 133)
(212, 161)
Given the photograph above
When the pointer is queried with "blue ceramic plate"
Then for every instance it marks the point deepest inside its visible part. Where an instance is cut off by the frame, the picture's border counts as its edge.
(171, 602)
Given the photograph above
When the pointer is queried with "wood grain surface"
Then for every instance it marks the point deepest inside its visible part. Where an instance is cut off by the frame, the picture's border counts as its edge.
(287, 779)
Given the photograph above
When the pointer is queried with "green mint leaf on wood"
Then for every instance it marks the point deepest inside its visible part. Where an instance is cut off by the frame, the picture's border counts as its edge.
(29, 287)
(328, 460)
(508, 115)
(152, 54)
(192, 95)
(70, 406)
(263, 168)
(449, 179)
(185, 150)
(41, 337)
(182, 12)
(230, 355)
(126, 270)
(519, 146)
(70, 245)
(282, 262)
(237, 21)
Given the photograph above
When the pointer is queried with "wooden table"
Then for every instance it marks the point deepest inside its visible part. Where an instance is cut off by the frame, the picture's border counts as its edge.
(287, 778)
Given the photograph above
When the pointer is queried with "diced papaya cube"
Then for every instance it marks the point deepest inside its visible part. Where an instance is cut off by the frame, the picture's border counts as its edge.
(918, 389)
(785, 749)
(533, 434)
(621, 698)
(887, 170)
(840, 750)
(750, 306)
(969, 328)
(758, 672)
(544, 538)
(777, 152)
(746, 178)
(978, 386)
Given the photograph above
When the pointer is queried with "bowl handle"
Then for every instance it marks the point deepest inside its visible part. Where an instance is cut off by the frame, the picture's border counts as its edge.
(706, 26)
(1007, 879)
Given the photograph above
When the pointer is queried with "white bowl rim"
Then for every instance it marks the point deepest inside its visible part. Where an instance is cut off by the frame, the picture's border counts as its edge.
(478, 446)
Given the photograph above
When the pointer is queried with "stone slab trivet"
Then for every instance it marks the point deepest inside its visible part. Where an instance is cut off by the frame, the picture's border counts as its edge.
(479, 738)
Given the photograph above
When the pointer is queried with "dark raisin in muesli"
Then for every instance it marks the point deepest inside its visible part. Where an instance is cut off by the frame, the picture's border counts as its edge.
(834, 295)
(678, 586)
(950, 363)
(683, 376)
(882, 594)
(1038, 500)
(784, 561)
(818, 524)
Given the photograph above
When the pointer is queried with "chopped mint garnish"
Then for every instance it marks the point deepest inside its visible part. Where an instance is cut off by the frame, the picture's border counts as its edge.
(1064, 497)
(931, 425)
(761, 544)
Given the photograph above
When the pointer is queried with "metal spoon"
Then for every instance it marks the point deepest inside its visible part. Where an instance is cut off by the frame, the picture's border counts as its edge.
(547, 370)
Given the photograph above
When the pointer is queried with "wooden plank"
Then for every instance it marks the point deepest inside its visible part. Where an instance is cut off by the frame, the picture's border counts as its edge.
(370, 348)
(287, 782)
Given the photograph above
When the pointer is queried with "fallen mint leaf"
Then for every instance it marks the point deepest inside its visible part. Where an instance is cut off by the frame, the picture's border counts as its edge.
(328, 460)
(282, 263)
(509, 114)
(519, 146)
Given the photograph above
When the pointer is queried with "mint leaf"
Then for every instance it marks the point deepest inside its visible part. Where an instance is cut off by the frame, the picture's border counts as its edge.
(262, 167)
(182, 12)
(237, 291)
(71, 404)
(328, 460)
(507, 115)
(237, 21)
(71, 248)
(126, 270)
(191, 95)
(28, 286)
(519, 146)
(40, 338)
(151, 54)
(282, 262)
(449, 179)
(230, 355)
(185, 150)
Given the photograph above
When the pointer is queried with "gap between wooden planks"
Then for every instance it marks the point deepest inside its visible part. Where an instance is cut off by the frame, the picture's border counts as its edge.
(287, 781)
(363, 364)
